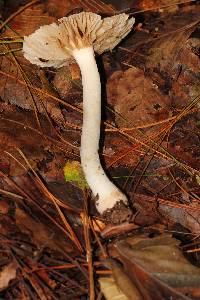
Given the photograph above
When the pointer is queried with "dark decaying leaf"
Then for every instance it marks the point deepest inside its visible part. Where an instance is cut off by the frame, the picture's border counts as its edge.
(32, 142)
(158, 268)
(137, 99)
(164, 53)
(153, 209)
(188, 216)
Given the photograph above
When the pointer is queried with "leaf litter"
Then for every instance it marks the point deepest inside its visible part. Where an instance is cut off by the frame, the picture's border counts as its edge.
(53, 243)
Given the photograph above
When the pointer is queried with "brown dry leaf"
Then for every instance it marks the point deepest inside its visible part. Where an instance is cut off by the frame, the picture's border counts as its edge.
(180, 148)
(63, 7)
(29, 20)
(151, 209)
(189, 55)
(116, 152)
(40, 233)
(115, 230)
(59, 9)
(16, 72)
(136, 98)
(147, 213)
(54, 169)
(13, 135)
(67, 82)
(10, 7)
(159, 267)
(166, 48)
(96, 6)
(110, 290)
(187, 216)
(6, 274)
(186, 86)
(163, 53)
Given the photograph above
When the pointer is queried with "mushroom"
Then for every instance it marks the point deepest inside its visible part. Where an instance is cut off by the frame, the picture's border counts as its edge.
(79, 36)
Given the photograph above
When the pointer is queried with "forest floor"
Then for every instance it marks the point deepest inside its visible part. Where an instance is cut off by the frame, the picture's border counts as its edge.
(54, 244)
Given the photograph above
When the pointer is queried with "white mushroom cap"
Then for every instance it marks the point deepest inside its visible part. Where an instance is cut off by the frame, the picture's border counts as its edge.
(52, 45)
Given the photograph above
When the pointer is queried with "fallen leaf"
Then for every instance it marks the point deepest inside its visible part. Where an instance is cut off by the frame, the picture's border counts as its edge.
(13, 135)
(67, 82)
(187, 216)
(73, 173)
(123, 281)
(187, 82)
(164, 52)
(151, 209)
(158, 267)
(40, 233)
(62, 8)
(7, 274)
(110, 290)
(29, 20)
(136, 99)
(17, 72)
(59, 9)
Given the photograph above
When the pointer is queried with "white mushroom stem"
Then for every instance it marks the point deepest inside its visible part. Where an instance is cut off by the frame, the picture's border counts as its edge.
(108, 194)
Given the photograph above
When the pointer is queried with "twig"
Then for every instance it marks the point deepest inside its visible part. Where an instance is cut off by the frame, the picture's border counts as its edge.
(86, 228)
